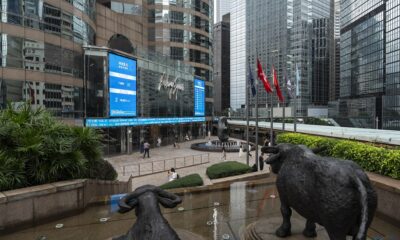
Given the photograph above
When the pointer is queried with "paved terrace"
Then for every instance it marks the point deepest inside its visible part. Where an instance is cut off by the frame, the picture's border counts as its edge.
(363, 134)
(169, 152)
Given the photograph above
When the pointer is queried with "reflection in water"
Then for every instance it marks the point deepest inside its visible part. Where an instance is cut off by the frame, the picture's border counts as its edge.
(238, 202)
(215, 221)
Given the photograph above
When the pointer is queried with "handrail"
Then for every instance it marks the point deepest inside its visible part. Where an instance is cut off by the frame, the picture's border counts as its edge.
(142, 169)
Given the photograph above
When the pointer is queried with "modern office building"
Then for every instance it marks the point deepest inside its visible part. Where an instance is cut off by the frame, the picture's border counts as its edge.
(268, 28)
(286, 34)
(95, 63)
(304, 12)
(334, 85)
(222, 65)
(369, 64)
(238, 54)
(221, 8)
(320, 61)
(183, 30)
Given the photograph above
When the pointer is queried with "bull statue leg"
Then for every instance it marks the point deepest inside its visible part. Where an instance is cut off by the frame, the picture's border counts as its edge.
(285, 229)
(309, 231)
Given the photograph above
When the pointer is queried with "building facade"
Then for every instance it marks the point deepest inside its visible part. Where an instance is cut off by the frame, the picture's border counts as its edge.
(290, 35)
(369, 64)
(222, 65)
(268, 29)
(183, 30)
(56, 55)
(221, 8)
(320, 61)
(334, 85)
(304, 13)
(238, 54)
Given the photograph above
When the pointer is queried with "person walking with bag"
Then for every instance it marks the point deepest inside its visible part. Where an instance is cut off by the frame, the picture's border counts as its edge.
(146, 146)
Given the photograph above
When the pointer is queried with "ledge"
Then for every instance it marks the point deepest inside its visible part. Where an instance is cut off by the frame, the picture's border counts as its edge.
(69, 185)
(29, 192)
(386, 183)
(242, 177)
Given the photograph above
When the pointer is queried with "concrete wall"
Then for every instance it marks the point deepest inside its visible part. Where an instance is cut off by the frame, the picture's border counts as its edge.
(29, 206)
(388, 191)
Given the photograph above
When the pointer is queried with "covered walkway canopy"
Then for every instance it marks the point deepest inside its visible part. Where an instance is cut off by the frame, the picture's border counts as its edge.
(363, 134)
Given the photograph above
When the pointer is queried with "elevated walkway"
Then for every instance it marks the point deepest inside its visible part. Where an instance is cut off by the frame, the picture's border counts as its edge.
(389, 137)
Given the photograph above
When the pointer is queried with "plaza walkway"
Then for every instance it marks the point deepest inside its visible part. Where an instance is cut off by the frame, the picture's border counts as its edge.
(169, 152)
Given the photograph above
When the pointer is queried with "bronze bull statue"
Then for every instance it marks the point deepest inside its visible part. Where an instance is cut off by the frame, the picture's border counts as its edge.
(334, 193)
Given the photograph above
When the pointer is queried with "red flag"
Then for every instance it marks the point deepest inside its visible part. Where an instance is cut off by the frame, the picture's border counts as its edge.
(276, 84)
(263, 78)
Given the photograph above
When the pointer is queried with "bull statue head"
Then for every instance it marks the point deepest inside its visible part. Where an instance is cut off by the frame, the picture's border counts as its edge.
(277, 156)
(223, 133)
(150, 224)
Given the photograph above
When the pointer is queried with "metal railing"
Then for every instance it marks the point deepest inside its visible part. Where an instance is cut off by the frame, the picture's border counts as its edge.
(141, 169)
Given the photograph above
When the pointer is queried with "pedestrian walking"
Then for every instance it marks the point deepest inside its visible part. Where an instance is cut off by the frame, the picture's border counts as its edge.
(249, 150)
(241, 151)
(146, 147)
(223, 153)
(261, 161)
(158, 142)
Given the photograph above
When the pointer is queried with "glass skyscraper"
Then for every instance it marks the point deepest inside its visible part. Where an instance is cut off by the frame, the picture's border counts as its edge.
(238, 54)
(370, 67)
(221, 7)
(281, 33)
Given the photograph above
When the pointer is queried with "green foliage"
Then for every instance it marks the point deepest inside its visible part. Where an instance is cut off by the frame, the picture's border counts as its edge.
(192, 180)
(37, 149)
(226, 169)
(103, 170)
(12, 172)
(371, 158)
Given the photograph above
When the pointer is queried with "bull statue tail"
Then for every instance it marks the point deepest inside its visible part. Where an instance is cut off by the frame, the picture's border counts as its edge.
(362, 231)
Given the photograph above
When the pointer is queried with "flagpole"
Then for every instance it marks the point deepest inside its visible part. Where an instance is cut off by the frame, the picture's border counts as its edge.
(283, 123)
(295, 98)
(247, 119)
(271, 131)
(295, 113)
(257, 127)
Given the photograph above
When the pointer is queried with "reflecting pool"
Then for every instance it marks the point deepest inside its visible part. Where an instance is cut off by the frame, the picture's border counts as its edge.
(221, 212)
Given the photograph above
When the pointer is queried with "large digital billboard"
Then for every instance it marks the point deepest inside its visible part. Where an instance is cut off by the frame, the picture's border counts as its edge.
(122, 86)
(199, 98)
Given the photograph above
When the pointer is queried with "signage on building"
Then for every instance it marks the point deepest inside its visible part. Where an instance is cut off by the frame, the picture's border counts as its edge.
(120, 122)
(171, 86)
(199, 98)
(122, 86)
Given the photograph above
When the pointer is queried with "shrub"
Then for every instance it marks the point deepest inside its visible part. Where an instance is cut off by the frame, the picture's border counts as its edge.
(371, 158)
(103, 170)
(37, 149)
(226, 169)
(192, 180)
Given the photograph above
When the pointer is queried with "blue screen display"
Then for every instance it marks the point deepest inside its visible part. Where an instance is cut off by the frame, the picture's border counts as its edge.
(122, 86)
(120, 122)
(199, 98)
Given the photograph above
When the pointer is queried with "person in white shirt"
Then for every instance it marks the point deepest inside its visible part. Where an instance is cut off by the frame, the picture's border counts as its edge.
(172, 175)
(241, 151)
(158, 142)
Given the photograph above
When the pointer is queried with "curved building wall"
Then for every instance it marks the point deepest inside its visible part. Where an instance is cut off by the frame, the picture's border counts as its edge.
(183, 31)
(41, 53)
(114, 18)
